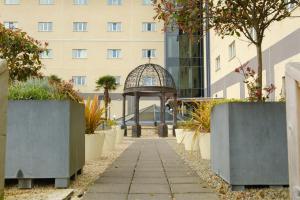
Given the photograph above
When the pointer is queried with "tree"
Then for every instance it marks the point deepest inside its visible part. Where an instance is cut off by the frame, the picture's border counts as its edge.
(21, 52)
(108, 83)
(250, 18)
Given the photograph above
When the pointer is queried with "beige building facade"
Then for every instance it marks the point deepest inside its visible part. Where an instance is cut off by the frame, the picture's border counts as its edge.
(280, 46)
(91, 38)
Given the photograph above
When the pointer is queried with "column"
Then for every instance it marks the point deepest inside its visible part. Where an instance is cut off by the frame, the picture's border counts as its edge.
(175, 114)
(136, 128)
(162, 129)
(124, 114)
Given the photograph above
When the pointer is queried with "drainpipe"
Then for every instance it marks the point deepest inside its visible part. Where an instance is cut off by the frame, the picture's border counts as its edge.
(208, 74)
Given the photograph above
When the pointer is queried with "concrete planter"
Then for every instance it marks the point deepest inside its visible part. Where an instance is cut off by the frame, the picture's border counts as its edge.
(179, 135)
(94, 145)
(204, 145)
(45, 140)
(109, 141)
(170, 130)
(3, 122)
(119, 134)
(191, 143)
(249, 144)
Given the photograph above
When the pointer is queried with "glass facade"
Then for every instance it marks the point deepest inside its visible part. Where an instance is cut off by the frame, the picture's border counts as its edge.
(185, 61)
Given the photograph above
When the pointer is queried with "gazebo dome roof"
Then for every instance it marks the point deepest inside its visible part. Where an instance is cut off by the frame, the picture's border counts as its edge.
(149, 77)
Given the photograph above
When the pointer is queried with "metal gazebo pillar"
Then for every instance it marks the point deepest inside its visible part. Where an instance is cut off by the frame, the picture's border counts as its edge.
(175, 115)
(124, 113)
(162, 128)
(136, 128)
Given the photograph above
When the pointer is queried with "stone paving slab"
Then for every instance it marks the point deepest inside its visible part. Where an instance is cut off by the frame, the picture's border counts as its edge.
(150, 197)
(149, 170)
(110, 188)
(149, 188)
(160, 180)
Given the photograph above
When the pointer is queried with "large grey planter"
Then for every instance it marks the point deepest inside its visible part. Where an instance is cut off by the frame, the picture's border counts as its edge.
(45, 140)
(249, 144)
(3, 121)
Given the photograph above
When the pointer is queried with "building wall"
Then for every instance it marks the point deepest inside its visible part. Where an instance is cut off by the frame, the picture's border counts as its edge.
(97, 40)
(280, 46)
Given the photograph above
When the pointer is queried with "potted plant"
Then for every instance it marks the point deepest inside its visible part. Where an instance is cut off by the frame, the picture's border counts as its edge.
(3, 121)
(119, 134)
(179, 132)
(201, 116)
(93, 140)
(246, 137)
(190, 136)
(110, 140)
(45, 132)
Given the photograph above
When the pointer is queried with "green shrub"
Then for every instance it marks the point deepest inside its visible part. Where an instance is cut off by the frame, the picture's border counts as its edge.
(34, 89)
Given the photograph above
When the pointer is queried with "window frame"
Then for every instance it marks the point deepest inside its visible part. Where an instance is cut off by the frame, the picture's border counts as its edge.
(82, 25)
(111, 2)
(118, 52)
(51, 3)
(76, 52)
(232, 50)
(45, 30)
(16, 3)
(82, 80)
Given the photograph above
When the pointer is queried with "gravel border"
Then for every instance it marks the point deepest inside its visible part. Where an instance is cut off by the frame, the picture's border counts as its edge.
(202, 167)
(91, 171)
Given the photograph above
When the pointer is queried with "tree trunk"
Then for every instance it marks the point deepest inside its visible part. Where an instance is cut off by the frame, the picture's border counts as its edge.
(106, 99)
(259, 71)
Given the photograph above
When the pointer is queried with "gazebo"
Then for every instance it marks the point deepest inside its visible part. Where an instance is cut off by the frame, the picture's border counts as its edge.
(150, 80)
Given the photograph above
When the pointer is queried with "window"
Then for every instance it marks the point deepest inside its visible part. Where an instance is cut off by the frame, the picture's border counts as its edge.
(114, 53)
(147, 2)
(46, 2)
(149, 26)
(218, 63)
(47, 54)
(11, 25)
(149, 81)
(114, 26)
(79, 26)
(80, 2)
(79, 80)
(232, 50)
(290, 5)
(79, 53)
(12, 2)
(114, 2)
(45, 26)
(149, 53)
(118, 80)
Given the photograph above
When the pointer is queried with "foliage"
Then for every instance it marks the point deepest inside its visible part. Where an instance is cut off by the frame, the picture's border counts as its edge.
(34, 89)
(227, 17)
(108, 83)
(111, 123)
(252, 83)
(65, 88)
(21, 52)
(42, 89)
(93, 115)
(200, 121)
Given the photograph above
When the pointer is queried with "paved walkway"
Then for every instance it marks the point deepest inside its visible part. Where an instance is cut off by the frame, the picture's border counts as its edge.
(149, 170)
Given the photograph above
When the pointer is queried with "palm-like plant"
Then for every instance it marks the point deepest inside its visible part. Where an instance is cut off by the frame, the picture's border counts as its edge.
(108, 83)
(93, 115)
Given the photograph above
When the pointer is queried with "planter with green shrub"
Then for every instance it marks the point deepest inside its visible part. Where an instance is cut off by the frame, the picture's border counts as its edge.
(46, 129)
